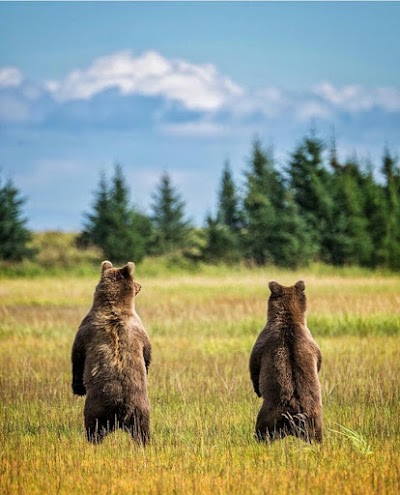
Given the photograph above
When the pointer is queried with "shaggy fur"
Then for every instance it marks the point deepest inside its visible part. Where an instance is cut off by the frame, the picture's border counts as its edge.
(284, 366)
(111, 357)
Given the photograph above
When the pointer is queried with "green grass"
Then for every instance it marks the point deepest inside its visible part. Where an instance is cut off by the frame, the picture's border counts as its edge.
(202, 326)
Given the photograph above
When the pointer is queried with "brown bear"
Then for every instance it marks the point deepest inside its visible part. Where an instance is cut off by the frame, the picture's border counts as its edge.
(111, 357)
(284, 365)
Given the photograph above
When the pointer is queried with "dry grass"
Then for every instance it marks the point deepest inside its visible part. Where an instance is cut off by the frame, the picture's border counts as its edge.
(203, 409)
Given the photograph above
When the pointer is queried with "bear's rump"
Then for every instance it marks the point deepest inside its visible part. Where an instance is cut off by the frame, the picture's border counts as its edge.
(114, 400)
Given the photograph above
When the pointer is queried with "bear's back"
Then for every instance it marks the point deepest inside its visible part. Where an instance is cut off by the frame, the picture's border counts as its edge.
(288, 375)
(114, 356)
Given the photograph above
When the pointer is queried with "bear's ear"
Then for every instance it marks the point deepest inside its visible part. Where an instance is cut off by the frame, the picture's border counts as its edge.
(275, 288)
(137, 288)
(106, 265)
(129, 269)
(300, 285)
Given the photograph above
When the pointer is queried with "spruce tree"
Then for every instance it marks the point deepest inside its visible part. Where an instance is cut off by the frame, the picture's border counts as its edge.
(312, 187)
(96, 224)
(375, 213)
(391, 240)
(222, 233)
(14, 234)
(295, 239)
(113, 225)
(263, 199)
(353, 244)
(222, 243)
(168, 217)
(228, 201)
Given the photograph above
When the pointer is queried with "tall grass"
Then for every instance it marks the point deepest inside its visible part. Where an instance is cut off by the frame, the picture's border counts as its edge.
(202, 328)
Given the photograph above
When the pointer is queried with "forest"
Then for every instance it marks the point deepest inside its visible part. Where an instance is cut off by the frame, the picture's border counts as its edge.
(314, 208)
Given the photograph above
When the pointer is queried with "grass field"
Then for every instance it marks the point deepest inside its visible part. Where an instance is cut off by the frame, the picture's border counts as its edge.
(202, 327)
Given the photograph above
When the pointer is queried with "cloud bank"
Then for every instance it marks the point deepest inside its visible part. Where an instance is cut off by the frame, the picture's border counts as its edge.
(178, 97)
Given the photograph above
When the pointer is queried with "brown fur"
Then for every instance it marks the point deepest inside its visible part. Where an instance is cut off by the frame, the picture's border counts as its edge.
(284, 366)
(111, 357)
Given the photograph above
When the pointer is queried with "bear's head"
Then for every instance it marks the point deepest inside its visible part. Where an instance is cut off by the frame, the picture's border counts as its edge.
(287, 300)
(117, 285)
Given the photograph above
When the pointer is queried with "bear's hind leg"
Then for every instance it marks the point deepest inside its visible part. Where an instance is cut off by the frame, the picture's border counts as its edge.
(98, 428)
(316, 429)
(267, 428)
(138, 425)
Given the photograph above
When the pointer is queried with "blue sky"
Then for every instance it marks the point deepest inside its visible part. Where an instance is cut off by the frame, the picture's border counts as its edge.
(182, 87)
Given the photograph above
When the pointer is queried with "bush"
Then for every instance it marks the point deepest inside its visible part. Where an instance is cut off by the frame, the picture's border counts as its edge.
(59, 250)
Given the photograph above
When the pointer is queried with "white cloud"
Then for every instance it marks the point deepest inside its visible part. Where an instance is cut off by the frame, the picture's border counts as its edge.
(225, 106)
(269, 101)
(312, 109)
(272, 102)
(196, 87)
(356, 98)
(10, 77)
(322, 101)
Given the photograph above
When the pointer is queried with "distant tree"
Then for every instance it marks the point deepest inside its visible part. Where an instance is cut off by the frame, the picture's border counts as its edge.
(170, 228)
(294, 237)
(312, 187)
(222, 243)
(228, 201)
(113, 225)
(14, 234)
(391, 240)
(143, 229)
(222, 233)
(96, 224)
(375, 212)
(263, 199)
(353, 244)
(333, 158)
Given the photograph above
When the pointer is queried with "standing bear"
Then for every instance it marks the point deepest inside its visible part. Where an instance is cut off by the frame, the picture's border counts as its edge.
(284, 365)
(111, 357)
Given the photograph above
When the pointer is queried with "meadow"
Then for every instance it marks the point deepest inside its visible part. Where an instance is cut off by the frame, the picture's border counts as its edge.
(202, 326)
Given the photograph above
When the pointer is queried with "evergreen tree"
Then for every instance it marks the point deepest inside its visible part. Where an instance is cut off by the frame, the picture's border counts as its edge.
(169, 223)
(353, 244)
(312, 187)
(375, 213)
(222, 233)
(96, 226)
(114, 226)
(391, 240)
(222, 243)
(121, 238)
(14, 235)
(296, 242)
(228, 201)
(261, 207)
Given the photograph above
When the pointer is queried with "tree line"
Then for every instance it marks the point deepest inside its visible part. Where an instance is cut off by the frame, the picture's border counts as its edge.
(315, 208)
